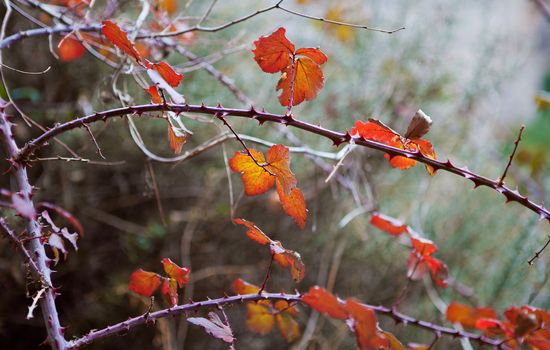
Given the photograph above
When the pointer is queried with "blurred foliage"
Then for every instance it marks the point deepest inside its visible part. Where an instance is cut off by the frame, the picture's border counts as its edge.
(476, 75)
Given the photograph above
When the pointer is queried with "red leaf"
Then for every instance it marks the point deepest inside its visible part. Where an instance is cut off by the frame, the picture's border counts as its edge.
(214, 326)
(468, 316)
(365, 326)
(313, 53)
(170, 290)
(388, 224)
(168, 73)
(153, 91)
(294, 205)
(423, 246)
(254, 232)
(273, 53)
(180, 274)
(144, 282)
(70, 49)
(377, 131)
(308, 81)
(120, 39)
(325, 302)
(176, 139)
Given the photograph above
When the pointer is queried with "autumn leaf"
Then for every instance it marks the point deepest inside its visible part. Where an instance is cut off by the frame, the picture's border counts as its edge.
(254, 231)
(388, 224)
(144, 282)
(214, 326)
(256, 179)
(176, 139)
(170, 291)
(273, 53)
(259, 174)
(288, 326)
(153, 91)
(259, 318)
(170, 6)
(301, 72)
(466, 315)
(70, 49)
(325, 302)
(422, 261)
(179, 274)
(377, 131)
(365, 326)
(167, 73)
(119, 38)
(242, 287)
(304, 79)
(284, 257)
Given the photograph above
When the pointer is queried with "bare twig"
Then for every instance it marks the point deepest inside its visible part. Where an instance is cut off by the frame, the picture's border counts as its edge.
(267, 274)
(516, 143)
(539, 252)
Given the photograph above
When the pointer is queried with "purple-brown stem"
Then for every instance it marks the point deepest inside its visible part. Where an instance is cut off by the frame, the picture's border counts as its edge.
(262, 116)
(47, 303)
(125, 326)
(516, 143)
(267, 274)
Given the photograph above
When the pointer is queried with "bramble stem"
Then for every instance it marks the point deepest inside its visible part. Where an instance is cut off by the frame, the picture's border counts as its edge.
(262, 116)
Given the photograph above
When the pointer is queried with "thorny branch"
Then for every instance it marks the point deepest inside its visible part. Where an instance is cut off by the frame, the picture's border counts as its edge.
(263, 116)
(149, 317)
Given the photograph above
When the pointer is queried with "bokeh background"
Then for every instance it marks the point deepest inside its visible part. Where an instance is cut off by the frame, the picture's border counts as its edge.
(480, 69)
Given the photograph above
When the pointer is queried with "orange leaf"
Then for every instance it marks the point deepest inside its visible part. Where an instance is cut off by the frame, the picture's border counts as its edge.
(144, 282)
(288, 326)
(168, 73)
(256, 180)
(294, 205)
(466, 315)
(170, 6)
(315, 54)
(308, 81)
(278, 159)
(374, 130)
(423, 246)
(70, 49)
(294, 260)
(325, 302)
(259, 318)
(253, 232)
(273, 53)
(153, 91)
(388, 224)
(170, 290)
(242, 287)
(176, 142)
(180, 274)
(120, 39)
(365, 326)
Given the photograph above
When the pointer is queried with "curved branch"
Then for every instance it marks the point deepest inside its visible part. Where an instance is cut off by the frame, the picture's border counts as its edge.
(149, 318)
(262, 116)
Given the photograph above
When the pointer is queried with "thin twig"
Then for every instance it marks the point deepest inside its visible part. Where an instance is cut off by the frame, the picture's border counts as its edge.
(156, 191)
(516, 143)
(267, 274)
(261, 165)
(87, 127)
(325, 20)
(539, 252)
